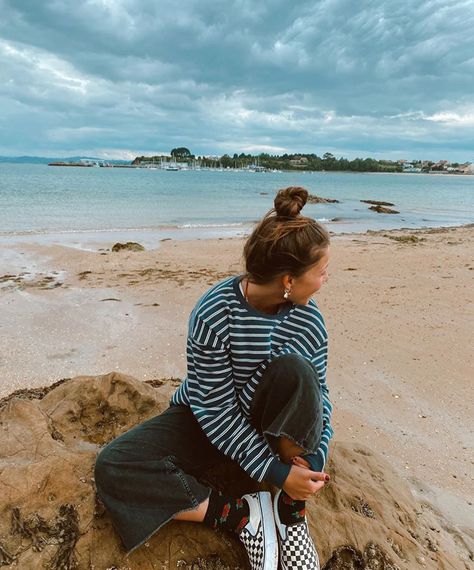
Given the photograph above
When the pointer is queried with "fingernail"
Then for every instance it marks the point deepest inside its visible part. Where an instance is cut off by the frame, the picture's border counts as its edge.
(326, 477)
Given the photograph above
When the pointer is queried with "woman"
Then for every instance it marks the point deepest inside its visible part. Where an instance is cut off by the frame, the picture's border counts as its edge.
(255, 392)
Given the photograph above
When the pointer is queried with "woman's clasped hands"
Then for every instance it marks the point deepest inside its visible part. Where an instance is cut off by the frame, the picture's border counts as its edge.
(301, 482)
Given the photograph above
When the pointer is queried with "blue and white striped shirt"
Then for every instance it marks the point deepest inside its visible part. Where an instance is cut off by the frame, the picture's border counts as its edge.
(229, 346)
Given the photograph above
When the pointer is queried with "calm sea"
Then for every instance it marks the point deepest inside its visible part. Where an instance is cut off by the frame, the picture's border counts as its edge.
(43, 200)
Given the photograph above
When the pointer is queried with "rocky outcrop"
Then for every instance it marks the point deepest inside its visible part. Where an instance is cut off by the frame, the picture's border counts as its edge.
(50, 517)
(377, 203)
(383, 210)
(129, 246)
(380, 207)
(313, 199)
(409, 239)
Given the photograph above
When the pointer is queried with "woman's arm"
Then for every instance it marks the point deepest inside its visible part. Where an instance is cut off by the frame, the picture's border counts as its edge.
(313, 345)
(327, 427)
(318, 460)
(213, 401)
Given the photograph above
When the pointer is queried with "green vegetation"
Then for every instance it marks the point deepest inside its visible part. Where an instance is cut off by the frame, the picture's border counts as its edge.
(304, 162)
(181, 152)
(328, 162)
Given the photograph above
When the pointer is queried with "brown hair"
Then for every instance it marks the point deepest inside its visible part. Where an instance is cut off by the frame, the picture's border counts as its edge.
(284, 241)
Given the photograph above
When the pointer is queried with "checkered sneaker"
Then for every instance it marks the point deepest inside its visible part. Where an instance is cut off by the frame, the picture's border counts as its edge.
(259, 535)
(297, 550)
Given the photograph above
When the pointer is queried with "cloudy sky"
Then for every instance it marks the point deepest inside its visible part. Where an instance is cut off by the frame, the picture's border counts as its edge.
(117, 78)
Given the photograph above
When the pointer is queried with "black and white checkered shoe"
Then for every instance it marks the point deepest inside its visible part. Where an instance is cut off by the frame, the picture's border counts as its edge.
(297, 550)
(259, 535)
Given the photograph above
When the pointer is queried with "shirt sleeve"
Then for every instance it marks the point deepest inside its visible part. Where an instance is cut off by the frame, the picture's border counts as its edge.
(320, 361)
(319, 459)
(313, 345)
(214, 403)
(328, 431)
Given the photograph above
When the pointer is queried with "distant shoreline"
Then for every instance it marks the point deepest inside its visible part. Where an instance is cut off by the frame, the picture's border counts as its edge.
(301, 170)
(113, 163)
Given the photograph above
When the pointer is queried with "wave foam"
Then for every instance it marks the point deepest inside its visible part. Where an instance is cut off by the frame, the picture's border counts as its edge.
(192, 226)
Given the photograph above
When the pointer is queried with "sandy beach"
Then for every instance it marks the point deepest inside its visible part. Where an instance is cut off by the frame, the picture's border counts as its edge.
(398, 308)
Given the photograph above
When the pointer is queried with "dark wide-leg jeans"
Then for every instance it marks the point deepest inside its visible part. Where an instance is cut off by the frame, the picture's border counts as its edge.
(151, 473)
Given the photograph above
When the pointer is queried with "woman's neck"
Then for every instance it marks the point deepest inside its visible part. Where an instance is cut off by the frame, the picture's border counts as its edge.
(266, 298)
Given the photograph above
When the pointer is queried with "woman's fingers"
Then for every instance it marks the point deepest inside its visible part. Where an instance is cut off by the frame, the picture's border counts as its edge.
(318, 486)
(302, 483)
(300, 462)
(318, 476)
(318, 480)
(315, 475)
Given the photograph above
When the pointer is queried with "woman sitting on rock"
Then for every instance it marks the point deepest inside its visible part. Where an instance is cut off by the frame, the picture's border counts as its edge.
(255, 392)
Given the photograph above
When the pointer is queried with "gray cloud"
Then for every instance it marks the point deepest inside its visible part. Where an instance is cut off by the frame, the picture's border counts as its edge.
(128, 75)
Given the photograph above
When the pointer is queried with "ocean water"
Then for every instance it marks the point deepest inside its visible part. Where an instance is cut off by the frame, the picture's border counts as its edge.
(42, 200)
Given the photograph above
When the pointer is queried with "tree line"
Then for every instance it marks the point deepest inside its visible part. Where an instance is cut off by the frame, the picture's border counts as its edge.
(303, 162)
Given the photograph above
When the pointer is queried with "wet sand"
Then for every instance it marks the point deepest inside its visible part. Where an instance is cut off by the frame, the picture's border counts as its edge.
(399, 315)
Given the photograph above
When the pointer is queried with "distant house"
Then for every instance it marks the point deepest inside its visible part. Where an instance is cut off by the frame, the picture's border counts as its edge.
(299, 161)
(440, 165)
(409, 166)
(467, 168)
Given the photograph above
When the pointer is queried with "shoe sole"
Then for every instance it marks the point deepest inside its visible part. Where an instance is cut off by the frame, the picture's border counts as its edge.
(269, 531)
(276, 518)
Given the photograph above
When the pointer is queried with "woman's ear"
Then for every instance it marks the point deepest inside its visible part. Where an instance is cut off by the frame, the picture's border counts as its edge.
(287, 281)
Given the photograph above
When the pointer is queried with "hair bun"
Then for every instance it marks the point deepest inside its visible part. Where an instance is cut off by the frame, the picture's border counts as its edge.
(290, 201)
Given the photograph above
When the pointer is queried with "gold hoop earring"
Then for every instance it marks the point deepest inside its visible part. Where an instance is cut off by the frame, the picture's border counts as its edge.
(286, 294)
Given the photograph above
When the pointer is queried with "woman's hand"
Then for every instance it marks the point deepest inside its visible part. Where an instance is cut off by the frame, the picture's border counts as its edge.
(302, 483)
(297, 460)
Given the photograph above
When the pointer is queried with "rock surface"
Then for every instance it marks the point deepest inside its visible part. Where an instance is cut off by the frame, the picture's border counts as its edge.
(129, 246)
(313, 199)
(383, 210)
(409, 238)
(377, 203)
(366, 518)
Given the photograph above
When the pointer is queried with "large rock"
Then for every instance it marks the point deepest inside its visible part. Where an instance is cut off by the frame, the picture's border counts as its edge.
(50, 518)
(377, 203)
(129, 246)
(313, 199)
(383, 210)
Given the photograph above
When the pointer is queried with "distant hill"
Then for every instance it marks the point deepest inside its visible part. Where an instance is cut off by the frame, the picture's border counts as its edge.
(46, 160)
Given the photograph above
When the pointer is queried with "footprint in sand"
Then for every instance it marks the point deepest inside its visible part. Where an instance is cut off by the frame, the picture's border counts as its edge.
(62, 355)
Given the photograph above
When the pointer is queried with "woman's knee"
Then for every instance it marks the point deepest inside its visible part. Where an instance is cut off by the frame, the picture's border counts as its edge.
(288, 361)
(294, 369)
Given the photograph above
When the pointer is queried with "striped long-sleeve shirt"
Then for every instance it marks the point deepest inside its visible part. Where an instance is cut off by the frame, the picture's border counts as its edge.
(229, 346)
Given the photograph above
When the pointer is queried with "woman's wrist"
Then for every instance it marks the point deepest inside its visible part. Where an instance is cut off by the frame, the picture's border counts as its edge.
(315, 460)
(277, 473)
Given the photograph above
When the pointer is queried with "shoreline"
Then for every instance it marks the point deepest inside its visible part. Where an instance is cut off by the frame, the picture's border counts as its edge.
(397, 311)
(152, 238)
(154, 166)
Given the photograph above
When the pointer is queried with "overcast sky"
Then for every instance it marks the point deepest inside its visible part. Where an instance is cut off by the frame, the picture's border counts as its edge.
(117, 78)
